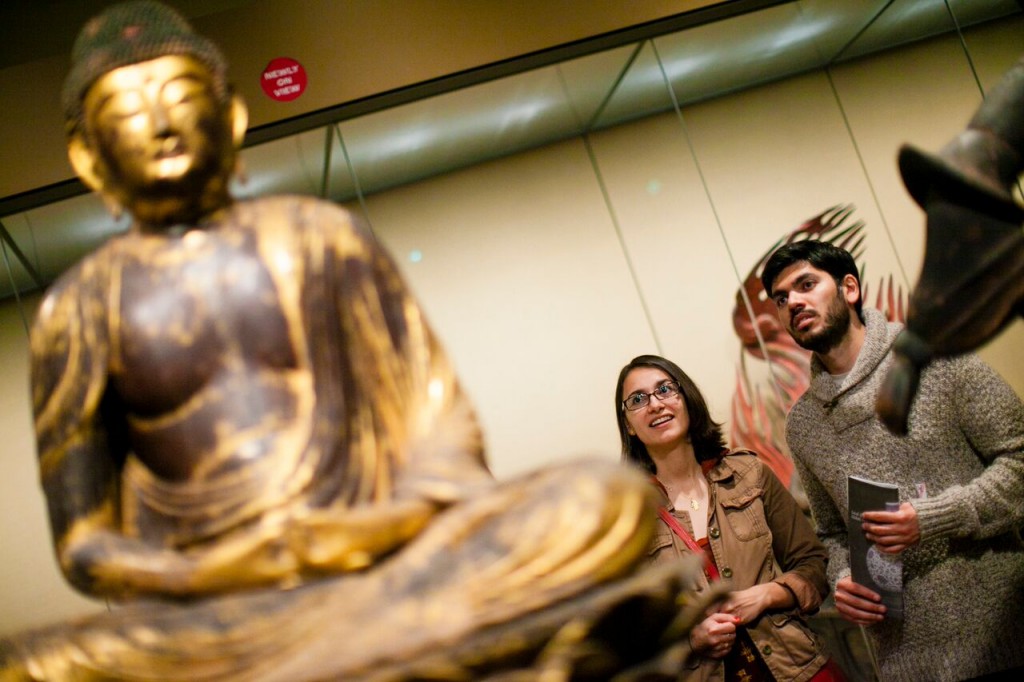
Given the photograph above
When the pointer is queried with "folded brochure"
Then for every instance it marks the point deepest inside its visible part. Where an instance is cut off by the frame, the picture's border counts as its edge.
(876, 570)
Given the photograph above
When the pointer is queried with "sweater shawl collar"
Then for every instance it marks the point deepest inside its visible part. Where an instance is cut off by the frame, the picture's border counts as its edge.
(878, 340)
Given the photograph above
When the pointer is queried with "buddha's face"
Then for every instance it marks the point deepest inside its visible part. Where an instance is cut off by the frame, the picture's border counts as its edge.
(157, 128)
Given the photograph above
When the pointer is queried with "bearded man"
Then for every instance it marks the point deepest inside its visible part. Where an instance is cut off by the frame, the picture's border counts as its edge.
(960, 474)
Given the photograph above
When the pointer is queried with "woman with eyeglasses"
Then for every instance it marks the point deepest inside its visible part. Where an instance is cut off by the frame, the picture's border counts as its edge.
(730, 508)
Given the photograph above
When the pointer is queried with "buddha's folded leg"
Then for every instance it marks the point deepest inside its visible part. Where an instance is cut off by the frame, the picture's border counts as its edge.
(549, 564)
(543, 566)
(529, 540)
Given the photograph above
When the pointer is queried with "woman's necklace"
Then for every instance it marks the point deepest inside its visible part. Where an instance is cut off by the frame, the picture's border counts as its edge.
(674, 494)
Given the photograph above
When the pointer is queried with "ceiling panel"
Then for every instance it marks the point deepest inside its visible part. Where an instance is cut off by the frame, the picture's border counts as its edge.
(37, 29)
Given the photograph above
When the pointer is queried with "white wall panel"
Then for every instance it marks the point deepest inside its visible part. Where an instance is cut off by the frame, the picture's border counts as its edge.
(676, 248)
(524, 279)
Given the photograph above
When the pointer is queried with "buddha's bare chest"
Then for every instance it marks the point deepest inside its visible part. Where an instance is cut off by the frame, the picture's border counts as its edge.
(191, 313)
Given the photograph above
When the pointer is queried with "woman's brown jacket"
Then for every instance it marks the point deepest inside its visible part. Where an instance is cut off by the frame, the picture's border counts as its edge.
(759, 534)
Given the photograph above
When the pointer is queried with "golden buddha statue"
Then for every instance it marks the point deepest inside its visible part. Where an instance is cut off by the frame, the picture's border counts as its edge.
(250, 437)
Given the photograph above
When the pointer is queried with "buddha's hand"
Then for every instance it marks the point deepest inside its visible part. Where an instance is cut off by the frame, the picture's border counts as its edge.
(352, 539)
(258, 556)
(102, 563)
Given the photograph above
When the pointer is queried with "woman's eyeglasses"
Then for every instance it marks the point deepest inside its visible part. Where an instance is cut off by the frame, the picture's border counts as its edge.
(640, 399)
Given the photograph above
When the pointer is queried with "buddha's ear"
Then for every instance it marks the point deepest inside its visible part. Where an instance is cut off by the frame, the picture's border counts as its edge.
(83, 160)
(239, 120)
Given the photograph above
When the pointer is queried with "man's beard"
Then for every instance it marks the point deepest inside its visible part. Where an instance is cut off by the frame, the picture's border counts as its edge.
(837, 323)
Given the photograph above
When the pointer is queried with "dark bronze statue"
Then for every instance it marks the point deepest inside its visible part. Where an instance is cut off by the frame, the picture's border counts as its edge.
(251, 439)
(972, 281)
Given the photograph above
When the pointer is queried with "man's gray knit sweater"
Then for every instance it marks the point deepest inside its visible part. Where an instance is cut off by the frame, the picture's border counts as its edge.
(964, 581)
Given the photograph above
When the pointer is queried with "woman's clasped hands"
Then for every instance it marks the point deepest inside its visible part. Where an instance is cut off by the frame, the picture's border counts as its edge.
(715, 635)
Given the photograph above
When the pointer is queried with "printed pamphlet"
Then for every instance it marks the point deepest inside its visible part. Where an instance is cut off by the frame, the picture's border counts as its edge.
(878, 571)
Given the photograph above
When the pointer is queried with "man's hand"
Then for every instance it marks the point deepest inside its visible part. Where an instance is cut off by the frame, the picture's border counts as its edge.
(894, 531)
(715, 635)
(857, 603)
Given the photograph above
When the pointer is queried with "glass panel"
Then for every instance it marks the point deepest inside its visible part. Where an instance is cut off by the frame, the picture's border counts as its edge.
(476, 124)
(971, 12)
(640, 93)
(13, 276)
(727, 56)
(291, 165)
(56, 236)
(906, 21)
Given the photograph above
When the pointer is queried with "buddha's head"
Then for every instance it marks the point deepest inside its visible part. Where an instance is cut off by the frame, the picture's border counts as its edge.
(152, 124)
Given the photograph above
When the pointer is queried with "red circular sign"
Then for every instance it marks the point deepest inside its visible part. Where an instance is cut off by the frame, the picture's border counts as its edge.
(284, 79)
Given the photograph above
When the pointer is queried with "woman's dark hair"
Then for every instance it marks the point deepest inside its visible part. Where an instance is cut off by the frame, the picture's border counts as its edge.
(704, 433)
(826, 256)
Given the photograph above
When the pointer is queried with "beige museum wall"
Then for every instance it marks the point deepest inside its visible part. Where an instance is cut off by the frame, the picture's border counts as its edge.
(32, 590)
(541, 291)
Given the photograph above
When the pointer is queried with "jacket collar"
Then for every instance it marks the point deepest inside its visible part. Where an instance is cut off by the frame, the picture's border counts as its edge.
(716, 470)
(726, 467)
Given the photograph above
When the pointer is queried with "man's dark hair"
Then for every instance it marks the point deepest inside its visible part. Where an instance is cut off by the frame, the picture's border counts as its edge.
(704, 433)
(834, 260)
